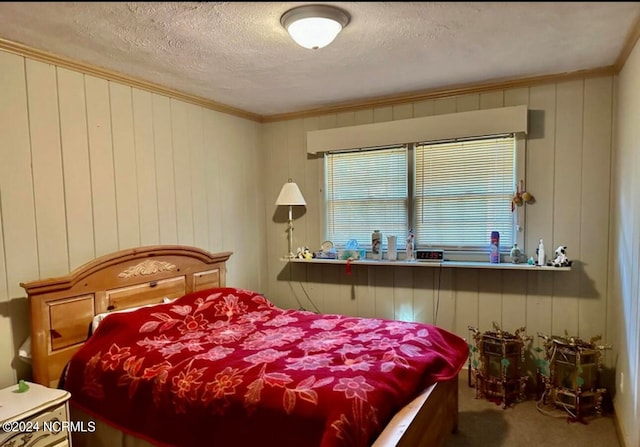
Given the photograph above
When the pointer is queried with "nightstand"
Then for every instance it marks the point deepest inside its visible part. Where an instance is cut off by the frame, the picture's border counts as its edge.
(38, 417)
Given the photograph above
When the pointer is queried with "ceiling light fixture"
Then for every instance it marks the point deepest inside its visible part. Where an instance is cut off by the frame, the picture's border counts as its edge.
(314, 26)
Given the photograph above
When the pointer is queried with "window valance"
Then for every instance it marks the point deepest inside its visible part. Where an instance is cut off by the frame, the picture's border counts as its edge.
(429, 128)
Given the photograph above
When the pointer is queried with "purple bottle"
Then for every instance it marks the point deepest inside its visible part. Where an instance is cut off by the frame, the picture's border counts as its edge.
(494, 248)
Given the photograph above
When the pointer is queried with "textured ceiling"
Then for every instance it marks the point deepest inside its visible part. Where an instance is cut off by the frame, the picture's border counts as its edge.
(237, 54)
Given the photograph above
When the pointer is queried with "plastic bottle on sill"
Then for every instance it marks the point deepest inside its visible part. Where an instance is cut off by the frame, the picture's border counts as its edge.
(541, 254)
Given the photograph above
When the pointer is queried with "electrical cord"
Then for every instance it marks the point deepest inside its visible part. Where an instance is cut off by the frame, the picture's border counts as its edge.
(556, 414)
(308, 298)
(540, 403)
(435, 317)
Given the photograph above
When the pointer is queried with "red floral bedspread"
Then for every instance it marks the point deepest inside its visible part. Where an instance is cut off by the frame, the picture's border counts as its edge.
(225, 367)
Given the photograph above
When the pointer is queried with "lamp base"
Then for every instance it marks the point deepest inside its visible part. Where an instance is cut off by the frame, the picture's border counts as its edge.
(290, 235)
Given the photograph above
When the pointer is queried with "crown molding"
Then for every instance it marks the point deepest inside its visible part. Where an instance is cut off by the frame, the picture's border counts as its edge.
(503, 84)
(109, 75)
(630, 43)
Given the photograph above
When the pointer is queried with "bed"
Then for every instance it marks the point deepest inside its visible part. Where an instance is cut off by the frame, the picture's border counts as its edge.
(199, 363)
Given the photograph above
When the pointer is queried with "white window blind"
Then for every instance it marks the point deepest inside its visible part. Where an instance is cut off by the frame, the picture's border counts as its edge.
(365, 191)
(463, 192)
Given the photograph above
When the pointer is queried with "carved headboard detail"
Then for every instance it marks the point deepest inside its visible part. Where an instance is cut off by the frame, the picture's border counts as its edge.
(62, 308)
(147, 267)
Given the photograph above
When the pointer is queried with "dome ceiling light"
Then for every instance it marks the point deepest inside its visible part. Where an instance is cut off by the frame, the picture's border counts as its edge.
(314, 26)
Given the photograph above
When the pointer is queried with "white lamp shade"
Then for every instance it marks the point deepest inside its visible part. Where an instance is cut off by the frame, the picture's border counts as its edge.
(314, 26)
(290, 195)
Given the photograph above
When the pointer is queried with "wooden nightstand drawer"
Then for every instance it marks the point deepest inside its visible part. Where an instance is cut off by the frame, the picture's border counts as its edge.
(38, 417)
(41, 430)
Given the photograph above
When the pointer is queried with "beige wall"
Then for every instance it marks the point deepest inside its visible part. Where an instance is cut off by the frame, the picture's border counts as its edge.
(624, 258)
(568, 160)
(89, 166)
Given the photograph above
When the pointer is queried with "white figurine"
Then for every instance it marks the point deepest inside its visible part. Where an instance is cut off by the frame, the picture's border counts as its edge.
(560, 259)
(410, 255)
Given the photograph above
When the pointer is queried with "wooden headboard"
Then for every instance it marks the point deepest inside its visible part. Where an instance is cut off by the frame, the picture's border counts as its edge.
(62, 308)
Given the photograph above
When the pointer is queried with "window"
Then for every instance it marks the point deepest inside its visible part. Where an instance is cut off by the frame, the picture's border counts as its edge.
(452, 193)
(366, 191)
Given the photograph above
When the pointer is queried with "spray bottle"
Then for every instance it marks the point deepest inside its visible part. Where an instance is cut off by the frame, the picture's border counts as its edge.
(541, 254)
(494, 248)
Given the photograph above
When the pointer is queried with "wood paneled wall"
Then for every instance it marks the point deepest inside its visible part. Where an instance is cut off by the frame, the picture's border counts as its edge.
(624, 256)
(568, 159)
(89, 166)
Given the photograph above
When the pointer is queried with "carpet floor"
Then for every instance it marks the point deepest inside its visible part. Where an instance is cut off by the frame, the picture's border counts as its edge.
(483, 423)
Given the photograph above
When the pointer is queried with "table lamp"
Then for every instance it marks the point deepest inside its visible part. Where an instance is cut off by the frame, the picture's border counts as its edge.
(290, 195)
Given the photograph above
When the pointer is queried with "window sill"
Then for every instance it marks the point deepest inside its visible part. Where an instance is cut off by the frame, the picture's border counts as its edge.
(451, 264)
